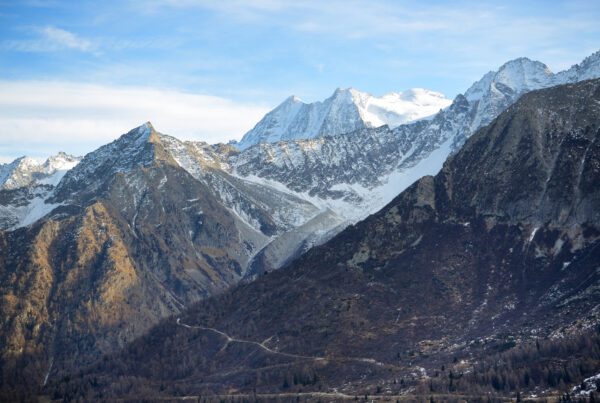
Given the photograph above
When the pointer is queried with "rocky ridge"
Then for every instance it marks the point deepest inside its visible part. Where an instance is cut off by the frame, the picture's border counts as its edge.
(363, 170)
(345, 111)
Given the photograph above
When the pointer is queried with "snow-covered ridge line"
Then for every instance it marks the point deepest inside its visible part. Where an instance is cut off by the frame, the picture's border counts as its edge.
(27, 185)
(26, 171)
(348, 110)
(332, 166)
(344, 111)
(354, 173)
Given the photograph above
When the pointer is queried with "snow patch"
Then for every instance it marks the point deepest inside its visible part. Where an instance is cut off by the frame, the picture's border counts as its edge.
(36, 209)
(343, 112)
(588, 386)
(533, 233)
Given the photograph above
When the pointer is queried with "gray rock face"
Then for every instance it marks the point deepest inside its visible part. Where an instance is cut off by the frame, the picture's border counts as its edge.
(544, 173)
(354, 174)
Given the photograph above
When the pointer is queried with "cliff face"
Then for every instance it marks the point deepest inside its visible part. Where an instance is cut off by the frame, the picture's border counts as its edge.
(500, 247)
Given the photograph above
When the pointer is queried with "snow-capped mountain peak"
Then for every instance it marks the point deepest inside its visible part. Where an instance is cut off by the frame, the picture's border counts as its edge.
(346, 110)
(26, 171)
(372, 165)
(396, 108)
(518, 75)
(523, 73)
(135, 148)
(26, 183)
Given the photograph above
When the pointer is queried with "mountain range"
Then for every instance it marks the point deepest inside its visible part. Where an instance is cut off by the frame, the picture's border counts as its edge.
(497, 252)
(345, 111)
(94, 251)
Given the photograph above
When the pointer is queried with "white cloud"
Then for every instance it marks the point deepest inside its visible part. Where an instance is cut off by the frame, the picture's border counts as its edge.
(66, 39)
(49, 39)
(39, 118)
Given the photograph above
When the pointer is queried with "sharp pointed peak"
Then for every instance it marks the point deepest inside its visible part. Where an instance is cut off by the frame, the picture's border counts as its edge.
(26, 160)
(146, 128)
(18, 159)
(345, 90)
(141, 134)
(347, 93)
(293, 99)
(61, 160)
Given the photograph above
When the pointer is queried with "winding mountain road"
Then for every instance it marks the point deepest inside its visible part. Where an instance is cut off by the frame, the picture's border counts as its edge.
(230, 339)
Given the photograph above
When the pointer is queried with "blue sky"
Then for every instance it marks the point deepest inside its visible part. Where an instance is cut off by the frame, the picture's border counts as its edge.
(75, 74)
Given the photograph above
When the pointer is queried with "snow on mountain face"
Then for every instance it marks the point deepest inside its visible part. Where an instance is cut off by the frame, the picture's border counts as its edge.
(278, 187)
(345, 111)
(18, 172)
(499, 89)
(518, 75)
(398, 108)
(207, 164)
(57, 166)
(131, 149)
(25, 186)
(26, 171)
(29, 190)
(358, 172)
(133, 161)
(589, 68)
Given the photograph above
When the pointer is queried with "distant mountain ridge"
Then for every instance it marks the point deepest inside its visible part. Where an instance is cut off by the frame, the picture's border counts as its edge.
(25, 170)
(348, 110)
(327, 169)
(344, 177)
(26, 183)
(361, 171)
(345, 111)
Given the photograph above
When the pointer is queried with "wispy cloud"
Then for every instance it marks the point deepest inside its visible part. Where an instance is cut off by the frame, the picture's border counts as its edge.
(64, 38)
(53, 39)
(471, 29)
(49, 39)
(39, 118)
